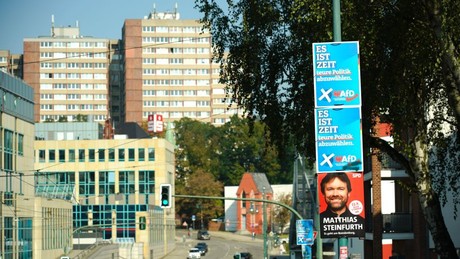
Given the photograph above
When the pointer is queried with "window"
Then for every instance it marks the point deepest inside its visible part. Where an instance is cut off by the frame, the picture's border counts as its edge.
(111, 155)
(151, 154)
(101, 154)
(121, 155)
(126, 182)
(51, 155)
(147, 182)
(131, 154)
(86, 183)
(106, 183)
(61, 155)
(81, 155)
(71, 155)
(20, 144)
(41, 156)
(141, 153)
(91, 155)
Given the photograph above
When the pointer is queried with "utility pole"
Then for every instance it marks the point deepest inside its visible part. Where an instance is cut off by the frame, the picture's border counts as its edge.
(264, 208)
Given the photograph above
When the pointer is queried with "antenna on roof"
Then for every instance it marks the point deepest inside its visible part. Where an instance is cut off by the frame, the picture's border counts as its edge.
(52, 25)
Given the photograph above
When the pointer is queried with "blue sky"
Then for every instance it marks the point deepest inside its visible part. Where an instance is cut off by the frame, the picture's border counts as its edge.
(21, 19)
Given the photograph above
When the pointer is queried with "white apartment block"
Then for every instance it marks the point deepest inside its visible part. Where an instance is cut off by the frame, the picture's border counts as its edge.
(169, 71)
(69, 74)
(162, 65)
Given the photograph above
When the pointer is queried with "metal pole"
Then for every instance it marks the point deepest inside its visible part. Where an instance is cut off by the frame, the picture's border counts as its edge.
(337, 30)
(264, 206)
(241, 199)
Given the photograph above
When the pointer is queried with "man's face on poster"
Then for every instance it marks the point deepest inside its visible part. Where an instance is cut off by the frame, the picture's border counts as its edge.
(336, 194)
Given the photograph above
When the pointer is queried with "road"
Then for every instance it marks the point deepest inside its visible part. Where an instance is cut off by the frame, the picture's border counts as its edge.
(222, 245)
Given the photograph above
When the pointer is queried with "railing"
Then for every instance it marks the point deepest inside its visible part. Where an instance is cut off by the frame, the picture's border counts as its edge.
(393, 223)
(88, 252)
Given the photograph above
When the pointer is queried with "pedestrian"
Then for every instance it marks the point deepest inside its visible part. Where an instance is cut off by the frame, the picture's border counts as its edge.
(282, 249)
(253, 235)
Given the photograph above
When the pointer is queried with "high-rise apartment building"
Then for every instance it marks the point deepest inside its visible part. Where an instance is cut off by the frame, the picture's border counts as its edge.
(69, 74)
(162, 65)
(168, 70)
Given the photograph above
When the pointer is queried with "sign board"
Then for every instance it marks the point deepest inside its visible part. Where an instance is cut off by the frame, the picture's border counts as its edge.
(338, 140)
(304, 229)
(341, 204)
(155, 123)
(337, 79)
(193, 217)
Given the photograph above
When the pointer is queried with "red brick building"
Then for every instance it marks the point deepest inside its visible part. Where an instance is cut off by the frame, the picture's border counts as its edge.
(250, 214)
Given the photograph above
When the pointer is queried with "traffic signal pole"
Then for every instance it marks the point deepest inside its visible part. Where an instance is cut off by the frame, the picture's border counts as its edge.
(264, 202)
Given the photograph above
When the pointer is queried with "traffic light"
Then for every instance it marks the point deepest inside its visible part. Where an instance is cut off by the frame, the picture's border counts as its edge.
(165, 195)
(142, 223)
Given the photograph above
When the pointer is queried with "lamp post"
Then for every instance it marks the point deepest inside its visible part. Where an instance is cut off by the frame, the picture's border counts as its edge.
(253, 210)
(264, 209)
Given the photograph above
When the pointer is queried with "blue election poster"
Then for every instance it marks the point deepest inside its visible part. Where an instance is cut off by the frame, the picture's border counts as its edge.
(304, 229)
(336, 72)
(338, 140)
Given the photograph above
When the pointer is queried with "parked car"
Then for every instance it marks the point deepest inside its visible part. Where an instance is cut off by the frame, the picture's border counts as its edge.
(203, 247)
(203, 235)
(194, 253)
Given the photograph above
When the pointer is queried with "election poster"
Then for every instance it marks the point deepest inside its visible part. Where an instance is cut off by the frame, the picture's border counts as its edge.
(341, 204)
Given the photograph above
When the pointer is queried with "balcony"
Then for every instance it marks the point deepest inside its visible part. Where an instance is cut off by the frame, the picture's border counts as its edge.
(389, 163)
(395, 226)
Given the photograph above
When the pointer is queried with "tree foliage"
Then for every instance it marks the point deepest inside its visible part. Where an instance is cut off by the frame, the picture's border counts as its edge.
(281, 215)
(409, 72)
(211, 157)
(200, 183)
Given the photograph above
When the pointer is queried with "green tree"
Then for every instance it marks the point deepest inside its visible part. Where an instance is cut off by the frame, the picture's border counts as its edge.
(247, 149)
(409, 72)
(281, 215)
(196, 147)
(200, 183)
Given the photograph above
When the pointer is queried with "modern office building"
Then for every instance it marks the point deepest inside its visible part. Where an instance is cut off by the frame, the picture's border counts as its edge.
(30, 226)
(112, 183)
(69, 74)
(168, 70)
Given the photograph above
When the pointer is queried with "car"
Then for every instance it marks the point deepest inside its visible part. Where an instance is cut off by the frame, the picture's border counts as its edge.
(243, 255)
(194, 253)
(203, 235)
(203, 247)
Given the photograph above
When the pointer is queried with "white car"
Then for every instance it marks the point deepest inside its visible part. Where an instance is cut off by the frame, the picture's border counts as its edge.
(194, 253)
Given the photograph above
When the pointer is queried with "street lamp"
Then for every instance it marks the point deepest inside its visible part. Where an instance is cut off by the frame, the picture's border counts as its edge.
(253, 210)
(264, 209)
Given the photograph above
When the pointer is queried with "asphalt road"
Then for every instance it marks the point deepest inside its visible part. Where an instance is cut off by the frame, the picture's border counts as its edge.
(222, 245)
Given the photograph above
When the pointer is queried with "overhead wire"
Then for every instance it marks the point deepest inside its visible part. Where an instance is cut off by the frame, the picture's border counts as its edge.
(83, 54)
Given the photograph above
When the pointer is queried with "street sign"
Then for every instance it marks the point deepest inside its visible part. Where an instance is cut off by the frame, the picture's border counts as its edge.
(304, 229)
(338, 139)
(193, 218)
(337, 80)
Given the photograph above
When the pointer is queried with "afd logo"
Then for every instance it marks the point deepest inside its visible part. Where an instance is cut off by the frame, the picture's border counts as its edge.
(348, 95)
(345, 159)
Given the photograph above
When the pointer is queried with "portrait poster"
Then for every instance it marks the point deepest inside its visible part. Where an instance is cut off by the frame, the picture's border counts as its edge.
(341, 204)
